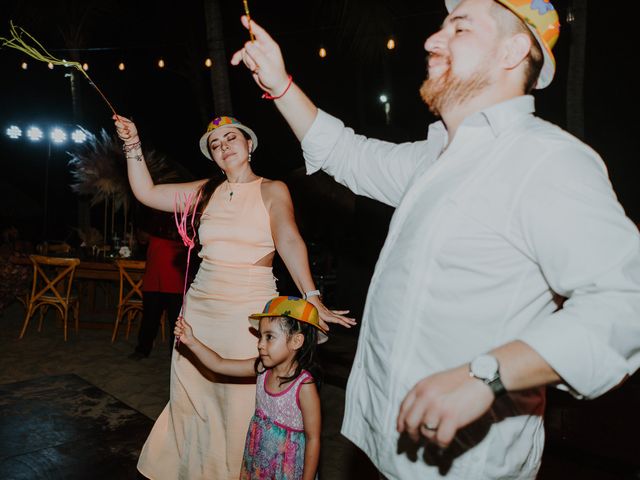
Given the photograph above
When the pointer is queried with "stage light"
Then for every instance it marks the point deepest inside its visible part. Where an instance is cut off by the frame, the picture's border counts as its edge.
(121, 66)
(208, 63)
(383, 98)
(391, 44)
(34, 134)
(161, 63)
(79, 136)
(14, 132)
(322, 52)
(58, 135)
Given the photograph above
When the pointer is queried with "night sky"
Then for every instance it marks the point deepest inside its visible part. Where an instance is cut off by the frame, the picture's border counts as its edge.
(172, 106)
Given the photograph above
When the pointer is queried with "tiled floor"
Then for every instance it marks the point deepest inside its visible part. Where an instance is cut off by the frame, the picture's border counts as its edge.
(586, 440)
(142, 386)
(64, 427)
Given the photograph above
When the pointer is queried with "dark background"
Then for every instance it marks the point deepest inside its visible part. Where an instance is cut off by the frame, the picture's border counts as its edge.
(172, 106)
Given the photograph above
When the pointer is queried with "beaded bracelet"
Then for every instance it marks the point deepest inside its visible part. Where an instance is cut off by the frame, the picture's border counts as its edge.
(137, 157)
(132, 146)
(268, 96)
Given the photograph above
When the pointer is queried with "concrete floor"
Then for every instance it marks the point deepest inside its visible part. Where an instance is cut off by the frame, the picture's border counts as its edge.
(586, 440)
(144, 385)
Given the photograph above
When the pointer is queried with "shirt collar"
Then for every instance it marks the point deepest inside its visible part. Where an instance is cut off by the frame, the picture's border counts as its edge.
(502, 115)
(499, 116)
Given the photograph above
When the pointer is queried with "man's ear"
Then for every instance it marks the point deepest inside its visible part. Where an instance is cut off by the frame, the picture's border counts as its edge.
(516, 50)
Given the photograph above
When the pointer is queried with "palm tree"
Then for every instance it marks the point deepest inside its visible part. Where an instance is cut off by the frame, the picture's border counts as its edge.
(219, 72)
(577, 19)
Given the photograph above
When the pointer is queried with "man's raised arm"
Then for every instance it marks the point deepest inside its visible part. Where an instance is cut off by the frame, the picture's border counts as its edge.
(264, 59)
(376, 169)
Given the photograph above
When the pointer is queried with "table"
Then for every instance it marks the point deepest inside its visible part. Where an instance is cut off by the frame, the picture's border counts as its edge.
(88, 269)
(91, 271)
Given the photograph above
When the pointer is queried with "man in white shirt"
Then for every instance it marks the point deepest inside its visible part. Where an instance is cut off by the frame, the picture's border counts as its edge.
(495, 212)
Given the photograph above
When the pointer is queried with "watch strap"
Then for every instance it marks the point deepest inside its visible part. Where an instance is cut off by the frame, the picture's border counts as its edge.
(312, 293)
(496, 386)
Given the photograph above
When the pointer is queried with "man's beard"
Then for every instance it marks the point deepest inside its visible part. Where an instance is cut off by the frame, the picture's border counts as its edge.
(447, 91)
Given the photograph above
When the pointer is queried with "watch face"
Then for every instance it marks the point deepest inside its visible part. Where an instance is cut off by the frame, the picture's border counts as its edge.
(484, 367)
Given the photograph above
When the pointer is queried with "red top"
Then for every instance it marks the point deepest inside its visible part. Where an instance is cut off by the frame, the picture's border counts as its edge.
(166, 263)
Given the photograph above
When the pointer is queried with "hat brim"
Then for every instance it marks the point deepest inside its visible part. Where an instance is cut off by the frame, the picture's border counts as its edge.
(255, 323)
(204, 147)
(549, 63)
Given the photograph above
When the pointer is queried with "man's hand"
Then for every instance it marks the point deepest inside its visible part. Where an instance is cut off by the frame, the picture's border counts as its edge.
(264, 59)
(439, 405)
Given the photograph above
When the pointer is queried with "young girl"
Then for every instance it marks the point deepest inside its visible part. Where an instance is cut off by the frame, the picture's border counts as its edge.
(283, 441)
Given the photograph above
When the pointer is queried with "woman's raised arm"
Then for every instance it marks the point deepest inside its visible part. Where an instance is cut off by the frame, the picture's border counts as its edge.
(161, 197)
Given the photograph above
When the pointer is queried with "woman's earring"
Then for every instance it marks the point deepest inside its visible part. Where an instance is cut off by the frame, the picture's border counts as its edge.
(249, 156)
(223, 172)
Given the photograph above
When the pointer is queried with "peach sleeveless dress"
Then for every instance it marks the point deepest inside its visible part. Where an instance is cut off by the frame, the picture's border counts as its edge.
(201, 432)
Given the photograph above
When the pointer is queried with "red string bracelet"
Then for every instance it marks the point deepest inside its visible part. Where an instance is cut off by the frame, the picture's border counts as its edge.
(268, 96)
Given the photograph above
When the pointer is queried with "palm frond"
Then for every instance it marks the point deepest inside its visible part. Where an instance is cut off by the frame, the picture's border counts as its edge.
(99, 170)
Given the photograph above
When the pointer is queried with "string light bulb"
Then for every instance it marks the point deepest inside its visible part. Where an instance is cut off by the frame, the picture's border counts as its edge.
(24, 65)
(391, 44)
(322, 52)
(570, 16)
(161, 63)
(50, 66)
(208, 63)
(85, 66)
(121, 66)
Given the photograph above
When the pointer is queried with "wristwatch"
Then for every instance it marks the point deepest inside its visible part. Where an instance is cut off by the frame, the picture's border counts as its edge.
(487, 369)
(312, 293)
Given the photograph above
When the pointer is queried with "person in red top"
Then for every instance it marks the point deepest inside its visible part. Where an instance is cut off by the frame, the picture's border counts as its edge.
(163, 281)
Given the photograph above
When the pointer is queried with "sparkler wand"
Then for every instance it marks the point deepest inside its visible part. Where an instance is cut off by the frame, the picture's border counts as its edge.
(38, 52)
(246, 12)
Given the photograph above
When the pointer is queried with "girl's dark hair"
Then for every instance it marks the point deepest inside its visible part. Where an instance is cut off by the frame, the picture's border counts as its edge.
(306, 356)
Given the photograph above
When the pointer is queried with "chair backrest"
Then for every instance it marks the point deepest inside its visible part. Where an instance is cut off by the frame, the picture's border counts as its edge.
(131, 272)
(52, 276)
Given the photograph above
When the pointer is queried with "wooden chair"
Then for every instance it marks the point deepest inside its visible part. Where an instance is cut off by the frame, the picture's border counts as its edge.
(52, 281)
(130, 296)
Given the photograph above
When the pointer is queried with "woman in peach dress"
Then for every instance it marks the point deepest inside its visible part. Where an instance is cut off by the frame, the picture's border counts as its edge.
(243, 220)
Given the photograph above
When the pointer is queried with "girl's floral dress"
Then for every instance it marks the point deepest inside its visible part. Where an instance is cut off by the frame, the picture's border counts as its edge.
(275, 444)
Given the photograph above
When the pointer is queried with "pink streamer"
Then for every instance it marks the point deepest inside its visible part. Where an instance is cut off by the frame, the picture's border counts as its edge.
(181, 212)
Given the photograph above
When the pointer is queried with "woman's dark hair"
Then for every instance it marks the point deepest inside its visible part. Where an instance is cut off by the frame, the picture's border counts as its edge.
(205, 192)
(306, 356)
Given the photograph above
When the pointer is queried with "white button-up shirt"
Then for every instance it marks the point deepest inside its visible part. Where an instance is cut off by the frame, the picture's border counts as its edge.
(485, 230)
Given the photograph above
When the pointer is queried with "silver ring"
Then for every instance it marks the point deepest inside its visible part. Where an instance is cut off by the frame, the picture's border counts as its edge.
(430, 427)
